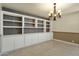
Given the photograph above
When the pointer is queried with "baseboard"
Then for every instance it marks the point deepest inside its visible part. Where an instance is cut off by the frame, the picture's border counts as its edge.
(70, 43)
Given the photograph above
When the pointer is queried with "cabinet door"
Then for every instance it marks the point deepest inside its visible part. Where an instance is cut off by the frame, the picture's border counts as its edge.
(28, 39)
(42, 37)
(7, 44)
(18, 42)
(31, 39)
(36, 38)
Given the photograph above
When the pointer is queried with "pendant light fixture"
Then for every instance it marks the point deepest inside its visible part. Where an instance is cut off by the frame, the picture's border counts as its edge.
(55, 13)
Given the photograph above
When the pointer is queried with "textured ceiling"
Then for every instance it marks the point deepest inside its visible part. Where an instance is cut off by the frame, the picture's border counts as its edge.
(40, 9)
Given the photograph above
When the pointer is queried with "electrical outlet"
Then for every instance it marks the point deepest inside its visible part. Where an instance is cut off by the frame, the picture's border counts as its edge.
(73, 41)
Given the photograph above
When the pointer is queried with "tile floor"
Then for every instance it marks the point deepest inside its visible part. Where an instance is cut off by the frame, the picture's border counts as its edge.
(49, 48)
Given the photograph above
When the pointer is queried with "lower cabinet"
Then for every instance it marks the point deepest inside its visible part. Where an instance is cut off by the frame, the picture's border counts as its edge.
(28, 40)
(13, 42)
(7, 43)
(18, 42)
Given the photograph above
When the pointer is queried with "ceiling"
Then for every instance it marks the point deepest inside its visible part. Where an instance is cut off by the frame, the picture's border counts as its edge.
(41, 9)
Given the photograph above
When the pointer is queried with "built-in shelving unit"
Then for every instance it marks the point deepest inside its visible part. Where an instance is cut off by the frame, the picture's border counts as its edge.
(19, 31)
(16, 24)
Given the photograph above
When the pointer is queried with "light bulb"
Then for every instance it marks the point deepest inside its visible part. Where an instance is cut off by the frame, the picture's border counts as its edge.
(49, 14)
(51, 11)
(59, 11)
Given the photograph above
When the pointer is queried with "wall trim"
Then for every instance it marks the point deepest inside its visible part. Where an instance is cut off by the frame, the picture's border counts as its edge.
(66, 32)
(74, 44)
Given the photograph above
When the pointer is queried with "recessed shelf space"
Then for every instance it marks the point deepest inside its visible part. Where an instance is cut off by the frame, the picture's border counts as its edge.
(47, 30)
(29, 25)
(12, 18)
(47, 22)
(33, 30)
(29, 20)
(47, 25)
(12, 31)
(40, 25)
(5, 23)
(40, 21)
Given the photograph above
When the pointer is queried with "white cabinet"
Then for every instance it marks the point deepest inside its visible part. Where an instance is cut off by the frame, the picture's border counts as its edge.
(12, 42)
(7, 43)
(18, 41)
(34, 38)
(42, 37)
(28, 39)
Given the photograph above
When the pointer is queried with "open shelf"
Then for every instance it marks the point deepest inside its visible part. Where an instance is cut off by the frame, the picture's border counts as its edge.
(33, 30)
(40, 25)
(29, 22)
(5, 23)
(40, 21)
(47, 30)
(26, 20)
(29, 25)
(11, 31)
(9, 17)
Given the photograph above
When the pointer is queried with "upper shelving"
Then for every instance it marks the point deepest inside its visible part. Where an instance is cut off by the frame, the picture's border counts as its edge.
(14, 23)
(11, 21)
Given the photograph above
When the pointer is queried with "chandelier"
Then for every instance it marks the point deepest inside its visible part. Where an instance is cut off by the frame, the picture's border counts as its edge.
(55, 13)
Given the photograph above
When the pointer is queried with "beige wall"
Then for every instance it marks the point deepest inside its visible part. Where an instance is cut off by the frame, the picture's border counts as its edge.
(68, 23)
(67, 27)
